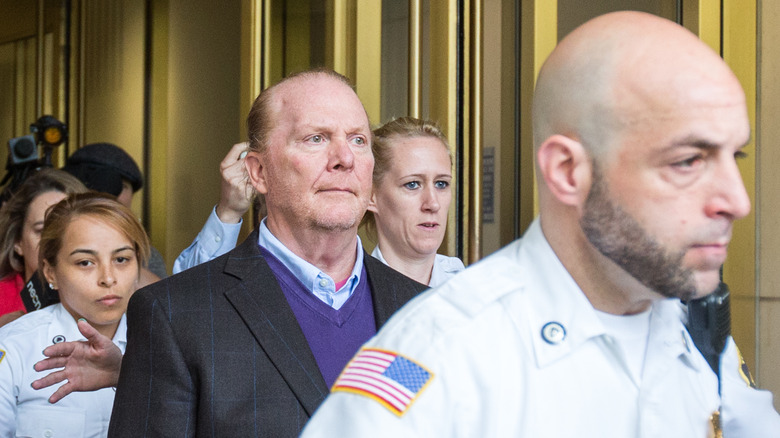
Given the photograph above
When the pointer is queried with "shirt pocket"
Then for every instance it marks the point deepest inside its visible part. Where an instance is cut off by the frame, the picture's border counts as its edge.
(49, 422)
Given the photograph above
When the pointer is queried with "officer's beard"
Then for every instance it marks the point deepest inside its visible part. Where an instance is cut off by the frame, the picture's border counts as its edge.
(622, 239)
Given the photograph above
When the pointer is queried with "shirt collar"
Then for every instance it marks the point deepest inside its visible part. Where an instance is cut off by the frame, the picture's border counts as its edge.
(64, 328)
(562, 302)
(315, 281)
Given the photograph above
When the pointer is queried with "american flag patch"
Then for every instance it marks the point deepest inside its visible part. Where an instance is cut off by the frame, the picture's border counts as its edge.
(389, 378)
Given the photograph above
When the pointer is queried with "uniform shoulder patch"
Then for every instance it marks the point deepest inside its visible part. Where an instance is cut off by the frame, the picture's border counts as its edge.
(744, 371)
(2, 355)
(391, 379)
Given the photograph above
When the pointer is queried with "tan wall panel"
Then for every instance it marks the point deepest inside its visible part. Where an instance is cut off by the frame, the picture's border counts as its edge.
(739, 51)
(493, 104)
(768, 152)
(114, 78)
(770, 349)
(768, 199)
(743, 326)
(204, 42)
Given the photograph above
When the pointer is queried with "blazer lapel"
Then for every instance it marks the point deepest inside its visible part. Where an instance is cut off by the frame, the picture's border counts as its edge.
(390, 289)
(260, 302)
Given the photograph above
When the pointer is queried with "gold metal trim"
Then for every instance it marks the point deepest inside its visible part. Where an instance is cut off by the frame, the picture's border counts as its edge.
(82, 98)
(39, 59)
(739, 50)
(539, 36)
(368, 56)
(415, 58)
(475, 131)
(702, 17)
(336, 47)
(443, 89)
(262, 59)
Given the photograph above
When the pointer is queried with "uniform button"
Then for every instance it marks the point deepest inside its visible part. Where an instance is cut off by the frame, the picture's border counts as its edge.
(48, 433)
(553, 333)
(323, 282)
(218, 239)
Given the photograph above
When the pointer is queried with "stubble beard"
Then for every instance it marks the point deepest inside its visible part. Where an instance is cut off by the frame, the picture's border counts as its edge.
(328, 221)
(622, 239)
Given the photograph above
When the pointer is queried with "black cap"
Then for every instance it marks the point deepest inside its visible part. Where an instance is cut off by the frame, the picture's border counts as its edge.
(103, 166)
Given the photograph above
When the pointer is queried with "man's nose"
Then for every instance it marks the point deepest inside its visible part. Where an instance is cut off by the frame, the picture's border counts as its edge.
(340, 154)
(729, 198)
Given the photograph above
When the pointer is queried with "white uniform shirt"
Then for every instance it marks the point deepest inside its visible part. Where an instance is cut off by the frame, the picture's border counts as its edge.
(515, 349)
(444, 267)
(25, 412)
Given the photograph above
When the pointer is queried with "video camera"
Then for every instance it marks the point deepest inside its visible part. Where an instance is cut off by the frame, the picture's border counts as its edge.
(23, 154)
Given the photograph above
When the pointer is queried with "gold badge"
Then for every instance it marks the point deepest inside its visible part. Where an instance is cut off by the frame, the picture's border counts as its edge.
(715, 431)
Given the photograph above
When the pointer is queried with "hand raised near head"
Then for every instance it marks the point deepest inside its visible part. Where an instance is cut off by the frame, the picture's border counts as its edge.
(236, 194)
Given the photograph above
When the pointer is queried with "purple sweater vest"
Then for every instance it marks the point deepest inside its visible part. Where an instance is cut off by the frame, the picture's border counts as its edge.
(334, 336)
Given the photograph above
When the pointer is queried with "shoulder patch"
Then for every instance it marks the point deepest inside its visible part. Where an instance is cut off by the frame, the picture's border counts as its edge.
(744, 371)
(389, 378)
(2, 355)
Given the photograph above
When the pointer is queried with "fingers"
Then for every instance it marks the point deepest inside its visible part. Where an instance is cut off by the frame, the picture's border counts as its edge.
(61, 349)
(61, 392)
(235, 154)
(87, 330)
(51, 363)
(49, 379)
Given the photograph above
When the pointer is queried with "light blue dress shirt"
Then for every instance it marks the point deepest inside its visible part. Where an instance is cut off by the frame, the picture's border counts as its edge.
(216, 238)
(316, 281)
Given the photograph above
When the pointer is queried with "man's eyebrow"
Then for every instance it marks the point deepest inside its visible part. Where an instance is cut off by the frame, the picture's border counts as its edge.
(701, 143)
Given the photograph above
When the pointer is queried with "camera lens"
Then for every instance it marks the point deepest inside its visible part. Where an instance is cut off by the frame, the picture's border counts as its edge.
(24, 148)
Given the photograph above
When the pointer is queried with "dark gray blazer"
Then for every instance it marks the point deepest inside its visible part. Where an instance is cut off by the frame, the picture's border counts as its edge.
(217, 351)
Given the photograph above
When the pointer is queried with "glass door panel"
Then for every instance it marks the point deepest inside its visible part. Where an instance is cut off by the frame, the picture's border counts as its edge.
(33, 69)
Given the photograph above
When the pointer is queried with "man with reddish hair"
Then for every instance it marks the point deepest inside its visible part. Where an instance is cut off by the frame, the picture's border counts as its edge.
(248, 344)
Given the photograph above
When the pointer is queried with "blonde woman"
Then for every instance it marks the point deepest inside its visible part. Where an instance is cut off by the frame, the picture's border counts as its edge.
(411, 198)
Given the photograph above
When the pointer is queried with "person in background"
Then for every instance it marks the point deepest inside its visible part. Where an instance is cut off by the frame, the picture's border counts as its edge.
(107, 168)
(91, 251)
(21, 222)
(220, 233)
(410, 199)
(577, 329)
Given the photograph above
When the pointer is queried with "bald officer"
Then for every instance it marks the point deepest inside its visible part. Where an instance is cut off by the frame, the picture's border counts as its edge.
(577, 329)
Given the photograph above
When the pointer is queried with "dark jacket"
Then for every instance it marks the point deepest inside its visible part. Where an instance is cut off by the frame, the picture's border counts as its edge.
(216, 351)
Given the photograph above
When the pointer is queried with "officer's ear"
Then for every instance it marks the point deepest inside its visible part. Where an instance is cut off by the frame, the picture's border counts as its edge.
(565, 169)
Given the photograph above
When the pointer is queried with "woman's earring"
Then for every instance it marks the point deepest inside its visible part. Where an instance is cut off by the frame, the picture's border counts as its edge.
(51, 286)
